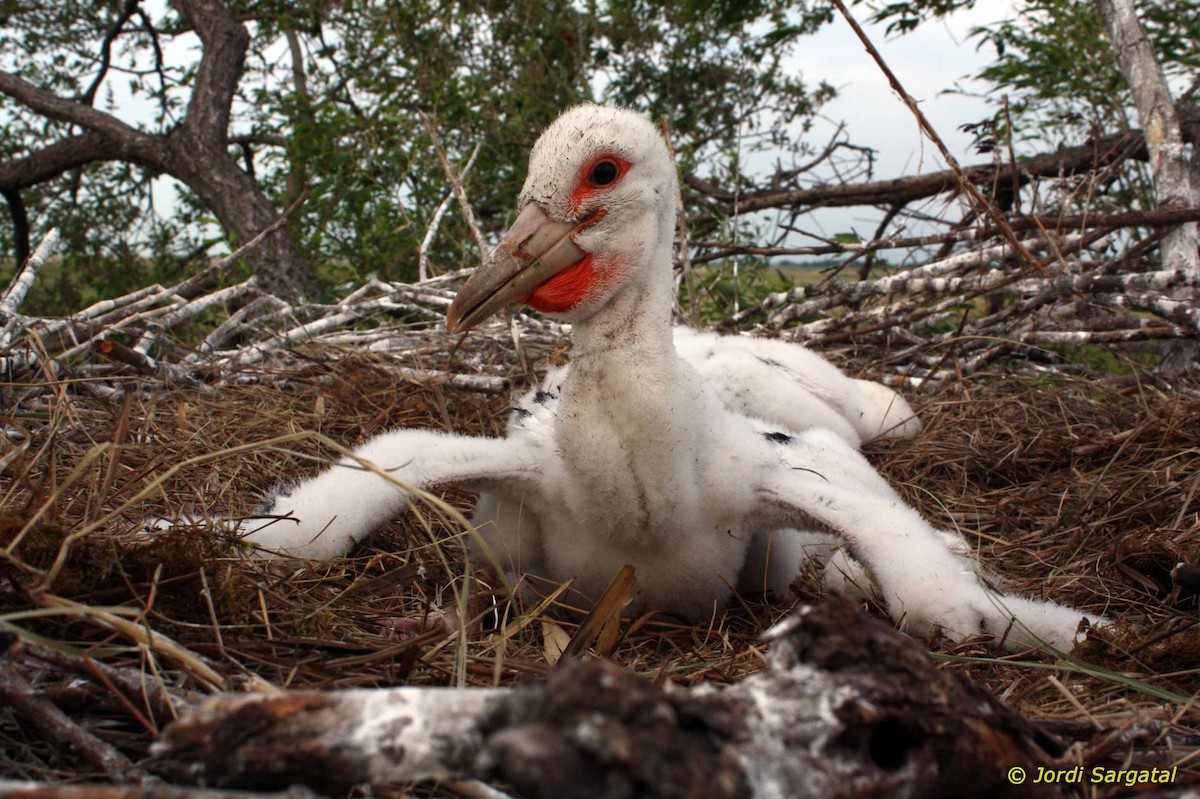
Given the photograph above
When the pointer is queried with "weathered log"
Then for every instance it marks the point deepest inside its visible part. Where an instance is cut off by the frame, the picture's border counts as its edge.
(848, 708)
(45, 790)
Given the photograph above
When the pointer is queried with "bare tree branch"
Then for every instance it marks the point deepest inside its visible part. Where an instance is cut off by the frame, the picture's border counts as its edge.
(983, 205)
(53, 160)
(1061, 163)
(132, 142)
(89, 95)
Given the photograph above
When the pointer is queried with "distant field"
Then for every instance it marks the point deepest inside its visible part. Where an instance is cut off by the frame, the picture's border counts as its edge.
(802, 274)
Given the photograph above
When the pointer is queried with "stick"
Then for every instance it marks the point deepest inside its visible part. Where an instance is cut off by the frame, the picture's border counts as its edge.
(14, 295)
(10, 789)
(196, 283)
(681, 214)
(982, 203)
(1075, 222)
(456, 184)
(57, 729)
(134, 685)
(593, 729)
(423, 253)
(142, 635)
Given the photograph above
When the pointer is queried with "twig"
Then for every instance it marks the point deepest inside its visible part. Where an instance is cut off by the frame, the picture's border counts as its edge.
(143, 364)
(1165, 218)
(60, 731)
(143, 636)
(684, 249)
(456, 185)
(187, 288)
(981, 202)
(423, 253)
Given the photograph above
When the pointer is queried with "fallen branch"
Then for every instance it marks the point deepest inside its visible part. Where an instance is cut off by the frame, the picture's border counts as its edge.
(58, 730)
(134, 686)
(849, 707)
(14, 295)
(45, 790)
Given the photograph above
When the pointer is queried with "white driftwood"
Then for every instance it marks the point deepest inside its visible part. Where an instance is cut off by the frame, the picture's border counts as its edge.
(849, 707)
(15, 294)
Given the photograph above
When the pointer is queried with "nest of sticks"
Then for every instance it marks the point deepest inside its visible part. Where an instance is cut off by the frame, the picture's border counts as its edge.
(1071, 485)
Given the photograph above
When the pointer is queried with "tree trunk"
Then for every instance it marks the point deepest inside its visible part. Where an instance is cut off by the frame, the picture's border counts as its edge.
(20, 222)
(244, 212)
(196, 152)
(1169, 167)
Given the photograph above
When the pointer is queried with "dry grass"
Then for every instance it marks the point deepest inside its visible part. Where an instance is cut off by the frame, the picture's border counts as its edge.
(1070, 490)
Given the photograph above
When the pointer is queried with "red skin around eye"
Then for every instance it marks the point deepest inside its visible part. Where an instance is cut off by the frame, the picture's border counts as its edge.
(584, 190)
(573, 285)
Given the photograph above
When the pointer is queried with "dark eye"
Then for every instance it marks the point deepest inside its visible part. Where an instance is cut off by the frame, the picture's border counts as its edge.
(603, 173)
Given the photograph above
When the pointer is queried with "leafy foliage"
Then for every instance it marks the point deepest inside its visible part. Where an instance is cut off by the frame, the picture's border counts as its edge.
(1054, 64)
(331, 94)
(1055, 80)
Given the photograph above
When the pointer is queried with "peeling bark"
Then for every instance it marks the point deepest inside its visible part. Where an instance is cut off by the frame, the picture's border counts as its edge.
(1169, 163)
(848, 708)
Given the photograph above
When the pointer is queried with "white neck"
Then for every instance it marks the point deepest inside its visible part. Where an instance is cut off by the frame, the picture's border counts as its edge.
(631, 416)
(635, 324)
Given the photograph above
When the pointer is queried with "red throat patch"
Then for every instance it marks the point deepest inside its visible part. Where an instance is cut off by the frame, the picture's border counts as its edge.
(576, 284)
(566, 289)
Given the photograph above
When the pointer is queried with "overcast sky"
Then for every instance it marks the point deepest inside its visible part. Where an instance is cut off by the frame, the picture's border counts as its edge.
(936, 57)
(929, 61)
(932, 59)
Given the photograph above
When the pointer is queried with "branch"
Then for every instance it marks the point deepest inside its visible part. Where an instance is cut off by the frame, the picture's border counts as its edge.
(1045, 224)
(20, 222)
(982, 204)
(56, 790)
(57, 729)
(133, 686)
(269, 139)
(592, 729)
(130, 141)
(1168, 157)
(53, 160)
(456, 185)
(935, 276)
(89, 96)
(1071, 160)
(423, 252)
(196, 283)
(21, 284)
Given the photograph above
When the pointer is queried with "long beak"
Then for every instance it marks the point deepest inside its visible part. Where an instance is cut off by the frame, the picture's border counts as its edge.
(533, 250)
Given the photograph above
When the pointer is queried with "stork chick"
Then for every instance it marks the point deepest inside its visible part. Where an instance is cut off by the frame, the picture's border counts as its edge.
(633, 457)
